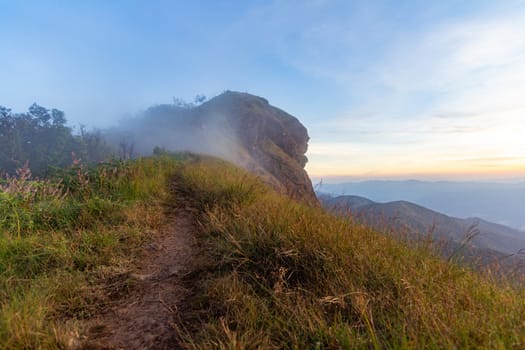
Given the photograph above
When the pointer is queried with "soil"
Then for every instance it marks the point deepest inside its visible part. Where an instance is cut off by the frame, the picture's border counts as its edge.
(146, 317)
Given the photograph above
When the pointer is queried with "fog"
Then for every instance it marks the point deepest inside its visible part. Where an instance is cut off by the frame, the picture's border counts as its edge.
(500, 203)
(175, 128)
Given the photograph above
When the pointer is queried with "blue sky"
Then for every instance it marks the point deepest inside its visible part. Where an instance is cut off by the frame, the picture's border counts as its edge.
(387, 89)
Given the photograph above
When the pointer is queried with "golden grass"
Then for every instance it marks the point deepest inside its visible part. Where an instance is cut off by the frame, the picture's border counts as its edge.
(282, 275)
(277, 274)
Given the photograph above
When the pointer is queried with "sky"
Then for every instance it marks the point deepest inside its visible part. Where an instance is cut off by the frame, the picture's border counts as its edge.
(387, 89)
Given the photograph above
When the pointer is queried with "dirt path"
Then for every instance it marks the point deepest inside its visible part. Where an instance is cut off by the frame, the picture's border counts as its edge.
(145, 317)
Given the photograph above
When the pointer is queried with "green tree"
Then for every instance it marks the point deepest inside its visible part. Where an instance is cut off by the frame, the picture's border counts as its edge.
(42, 138)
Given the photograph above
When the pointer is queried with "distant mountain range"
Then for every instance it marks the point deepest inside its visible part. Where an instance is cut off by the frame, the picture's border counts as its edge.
(484, 238)
(502, 203)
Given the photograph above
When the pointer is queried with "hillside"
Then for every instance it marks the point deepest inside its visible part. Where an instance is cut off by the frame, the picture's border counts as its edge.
(283, 275)
(408, 217)
(495, 202)
(180, 250)
(268, 272)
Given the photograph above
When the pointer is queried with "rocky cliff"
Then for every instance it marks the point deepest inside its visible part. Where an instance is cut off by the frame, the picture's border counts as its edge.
(274, 141)
(239, 127)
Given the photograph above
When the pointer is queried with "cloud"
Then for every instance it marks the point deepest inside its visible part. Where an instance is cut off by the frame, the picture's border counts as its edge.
(379, 84)
(469, 66)
(453, 90)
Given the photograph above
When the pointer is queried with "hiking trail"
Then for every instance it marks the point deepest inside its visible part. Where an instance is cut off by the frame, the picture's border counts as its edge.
(145, 318)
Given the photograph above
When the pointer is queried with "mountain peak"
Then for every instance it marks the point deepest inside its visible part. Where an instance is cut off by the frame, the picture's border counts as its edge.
(237, 126)
(275, 141)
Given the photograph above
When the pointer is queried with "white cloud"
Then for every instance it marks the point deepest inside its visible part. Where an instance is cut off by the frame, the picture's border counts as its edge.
(453, 92)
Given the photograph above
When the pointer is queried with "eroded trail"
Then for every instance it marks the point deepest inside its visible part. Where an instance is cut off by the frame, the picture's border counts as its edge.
(145, 318)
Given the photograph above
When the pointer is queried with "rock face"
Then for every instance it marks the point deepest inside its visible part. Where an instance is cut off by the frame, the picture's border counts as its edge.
(239, 127)
(275, 141)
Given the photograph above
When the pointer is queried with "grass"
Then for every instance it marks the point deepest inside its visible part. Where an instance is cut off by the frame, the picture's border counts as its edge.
(62, 238)
(282, 275)
(275, 274)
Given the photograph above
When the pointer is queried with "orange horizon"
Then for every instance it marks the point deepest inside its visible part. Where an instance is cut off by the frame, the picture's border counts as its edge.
(497, 174)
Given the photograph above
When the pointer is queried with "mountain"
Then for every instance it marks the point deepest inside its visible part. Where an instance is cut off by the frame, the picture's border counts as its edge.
(499, 202)
(242, 128)
(128, 254)
(403, 216)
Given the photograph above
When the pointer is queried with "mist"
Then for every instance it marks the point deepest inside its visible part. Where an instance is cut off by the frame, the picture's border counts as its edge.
(181, 127)
(500, 203)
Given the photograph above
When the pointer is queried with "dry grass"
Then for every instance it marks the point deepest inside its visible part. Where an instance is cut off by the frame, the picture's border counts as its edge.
(276, 274)
(282, 275)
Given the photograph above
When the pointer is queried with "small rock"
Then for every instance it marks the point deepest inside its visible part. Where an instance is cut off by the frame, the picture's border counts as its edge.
(154, 246)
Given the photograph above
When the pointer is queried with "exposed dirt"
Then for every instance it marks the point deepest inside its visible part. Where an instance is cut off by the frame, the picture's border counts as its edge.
(145, 317)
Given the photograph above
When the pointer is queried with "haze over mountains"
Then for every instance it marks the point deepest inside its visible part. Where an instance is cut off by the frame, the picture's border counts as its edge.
(416, 221)
(501, 203)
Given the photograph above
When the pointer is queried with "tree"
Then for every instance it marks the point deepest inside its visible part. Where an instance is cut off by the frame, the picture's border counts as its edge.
(126, 149)
(7, 143)
(4, 112)
(179, 102)
(58, 118)
(40, 113)
(42, 138)
(200, 99)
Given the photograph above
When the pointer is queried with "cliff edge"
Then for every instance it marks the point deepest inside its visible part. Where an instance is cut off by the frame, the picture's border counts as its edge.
(272, 142)
(239, 127)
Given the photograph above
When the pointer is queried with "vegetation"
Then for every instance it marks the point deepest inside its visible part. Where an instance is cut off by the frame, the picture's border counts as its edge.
(42, 139)
(275, 273)
(282, 275)
(64, 238)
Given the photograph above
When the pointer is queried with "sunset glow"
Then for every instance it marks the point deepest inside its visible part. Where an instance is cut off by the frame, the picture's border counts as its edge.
(386, 89)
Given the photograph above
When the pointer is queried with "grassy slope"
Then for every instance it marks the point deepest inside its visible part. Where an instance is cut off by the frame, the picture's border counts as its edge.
(63, 242)
(277, 274)
(283, 275)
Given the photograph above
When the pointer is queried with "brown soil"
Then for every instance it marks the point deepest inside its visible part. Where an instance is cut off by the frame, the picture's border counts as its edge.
(145, 317)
